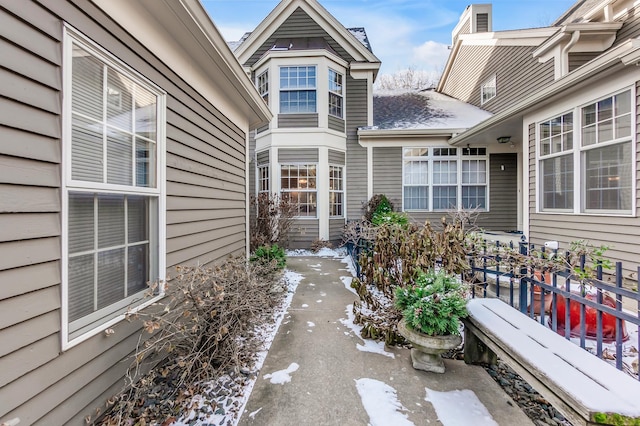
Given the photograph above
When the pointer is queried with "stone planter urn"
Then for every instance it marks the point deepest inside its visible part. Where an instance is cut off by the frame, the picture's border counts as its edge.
(427, 350)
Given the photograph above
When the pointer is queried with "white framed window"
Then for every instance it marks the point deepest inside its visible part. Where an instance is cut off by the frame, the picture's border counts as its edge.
(298, 89)
(298, 184)
(335, 93)
(587, 166)
(606, 155)
(556, 163)
(263, 178)
(439, 179)
(336, 191)
(262, 84)
(113, 192)
(488, 90)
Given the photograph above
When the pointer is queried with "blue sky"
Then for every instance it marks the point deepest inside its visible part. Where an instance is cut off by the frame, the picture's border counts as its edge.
(403, 33)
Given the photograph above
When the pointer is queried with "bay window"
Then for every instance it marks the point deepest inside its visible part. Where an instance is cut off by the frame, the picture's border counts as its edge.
(262, 84)
(298, 185)
(438, 179)
(112, 192)
(297, 89)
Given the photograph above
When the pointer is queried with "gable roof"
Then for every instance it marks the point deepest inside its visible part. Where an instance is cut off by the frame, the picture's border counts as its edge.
(404, 110)
(353, 45)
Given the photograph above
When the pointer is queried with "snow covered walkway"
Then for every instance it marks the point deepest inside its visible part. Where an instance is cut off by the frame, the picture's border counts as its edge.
(320, 372)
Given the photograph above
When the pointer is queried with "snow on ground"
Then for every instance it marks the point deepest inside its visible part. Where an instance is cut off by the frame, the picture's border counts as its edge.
(239, 399)
(381, 403)
(347, 284)
(369, 345)
(459, 407)
(281, 377)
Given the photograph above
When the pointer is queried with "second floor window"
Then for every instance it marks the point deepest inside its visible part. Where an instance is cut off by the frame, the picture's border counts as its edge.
(262, 83)
(298, 90)
(335, 93)
(488, 90)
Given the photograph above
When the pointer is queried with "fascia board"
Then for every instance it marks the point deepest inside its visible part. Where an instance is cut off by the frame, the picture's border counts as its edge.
(449, 65)
(282, 12)
(219, 51)
(612, 59)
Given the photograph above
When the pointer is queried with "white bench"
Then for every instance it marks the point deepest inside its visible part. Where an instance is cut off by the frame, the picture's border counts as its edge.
(584, 388)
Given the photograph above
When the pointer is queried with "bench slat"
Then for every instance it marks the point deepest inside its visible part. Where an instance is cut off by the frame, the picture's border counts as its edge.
(593, 383)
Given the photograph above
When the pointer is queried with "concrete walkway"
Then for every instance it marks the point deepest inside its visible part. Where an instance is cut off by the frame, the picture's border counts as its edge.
(322, 391)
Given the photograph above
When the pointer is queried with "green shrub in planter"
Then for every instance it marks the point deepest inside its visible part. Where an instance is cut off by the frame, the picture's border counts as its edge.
(434, 304)
(267, 254)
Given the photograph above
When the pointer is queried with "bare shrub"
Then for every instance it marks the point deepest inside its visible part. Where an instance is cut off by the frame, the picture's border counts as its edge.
(273, 220)
(318, 244)
(201, 330)
(394, 258)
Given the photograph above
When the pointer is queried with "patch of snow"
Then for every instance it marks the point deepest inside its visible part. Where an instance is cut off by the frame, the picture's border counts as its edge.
(347, 284)
(323, 294)
(310, 324)
(281, 377)
(253, 414)
(319, 301)
(338, 253)
(304, 305)
(347, 260)
(369, 345)
(381, 403)
(448, 408)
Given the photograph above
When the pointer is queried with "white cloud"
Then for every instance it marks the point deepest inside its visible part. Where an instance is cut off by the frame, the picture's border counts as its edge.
(430, 56)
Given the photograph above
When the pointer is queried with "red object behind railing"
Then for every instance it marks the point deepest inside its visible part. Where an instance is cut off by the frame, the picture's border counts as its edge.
(591, 324)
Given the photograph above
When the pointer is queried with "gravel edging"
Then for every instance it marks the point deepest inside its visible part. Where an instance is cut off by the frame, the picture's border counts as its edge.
(538, 409)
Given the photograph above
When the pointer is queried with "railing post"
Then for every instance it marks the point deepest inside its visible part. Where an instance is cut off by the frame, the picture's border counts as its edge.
(523, 279)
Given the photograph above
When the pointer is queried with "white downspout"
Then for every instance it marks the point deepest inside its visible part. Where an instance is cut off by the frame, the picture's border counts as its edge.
(564, 68)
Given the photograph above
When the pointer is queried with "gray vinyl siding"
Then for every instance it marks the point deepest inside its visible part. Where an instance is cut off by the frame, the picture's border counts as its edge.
(503, 194)
(503, 191)
(466, 29)
(336, 157)
(336, 124)
(630, 28)
(576, 60)
(356, 170)
(387, 174)
(297, 155)
(291, 121)
(299, 24)
(263, 157)
(205, 203)
(620, 233)
(335, 231)
(517, 72)
(303, 232)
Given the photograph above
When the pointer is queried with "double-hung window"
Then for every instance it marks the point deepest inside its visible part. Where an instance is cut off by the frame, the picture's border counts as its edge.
(298, 89)
(298, 185)
(336, 191)
(556, 163)
(335, 93)
(585, 158)
(416, 178)
(488, 90)
(262, 83)
(607, 154)
(438, 179)
(112, 191)
(474, 178)
(263, 178)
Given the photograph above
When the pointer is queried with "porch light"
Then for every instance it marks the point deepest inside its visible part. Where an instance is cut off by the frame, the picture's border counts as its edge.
(504, 139)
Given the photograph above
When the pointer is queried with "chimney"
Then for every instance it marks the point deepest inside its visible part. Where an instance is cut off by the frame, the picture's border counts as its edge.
(475, 19)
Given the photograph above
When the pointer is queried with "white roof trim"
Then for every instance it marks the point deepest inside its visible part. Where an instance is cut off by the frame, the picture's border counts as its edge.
(282, 12)
(625, 54)
(604, 30)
